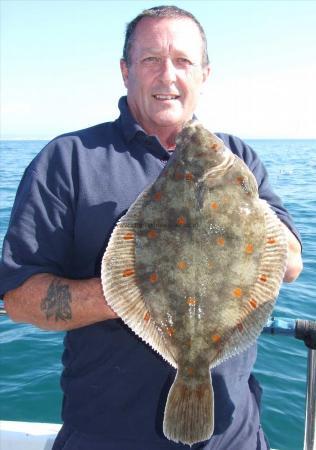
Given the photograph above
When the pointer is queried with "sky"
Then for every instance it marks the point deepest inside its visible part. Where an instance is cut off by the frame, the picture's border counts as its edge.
(60, 65)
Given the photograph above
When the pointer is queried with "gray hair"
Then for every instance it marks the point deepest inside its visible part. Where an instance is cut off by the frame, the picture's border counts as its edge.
(161, 12)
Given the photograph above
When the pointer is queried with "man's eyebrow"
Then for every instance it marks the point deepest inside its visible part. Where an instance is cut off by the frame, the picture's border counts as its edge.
(158, 51)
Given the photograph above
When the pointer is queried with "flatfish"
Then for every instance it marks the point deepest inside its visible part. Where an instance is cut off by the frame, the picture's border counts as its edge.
(194, 268)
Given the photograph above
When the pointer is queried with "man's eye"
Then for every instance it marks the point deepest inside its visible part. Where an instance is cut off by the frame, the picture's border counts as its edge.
(151, 59)
(184, 61)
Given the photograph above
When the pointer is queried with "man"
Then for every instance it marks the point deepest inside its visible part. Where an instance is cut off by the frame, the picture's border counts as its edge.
(68, 202)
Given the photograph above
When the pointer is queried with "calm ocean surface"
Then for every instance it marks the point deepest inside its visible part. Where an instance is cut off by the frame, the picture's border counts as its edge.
(30, 358)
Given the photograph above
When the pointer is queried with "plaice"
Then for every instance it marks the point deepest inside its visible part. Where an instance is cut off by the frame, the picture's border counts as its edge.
(194, 268)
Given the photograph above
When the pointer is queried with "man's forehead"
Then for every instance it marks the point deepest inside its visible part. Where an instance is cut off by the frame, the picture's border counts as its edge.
(166, 19)
(151, 24)
(182, 31)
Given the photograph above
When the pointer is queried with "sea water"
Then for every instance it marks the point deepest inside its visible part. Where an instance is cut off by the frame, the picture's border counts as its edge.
(30, 358)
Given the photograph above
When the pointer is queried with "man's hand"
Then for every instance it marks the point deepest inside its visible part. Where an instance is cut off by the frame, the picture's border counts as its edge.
(294, 260)
(54, 303)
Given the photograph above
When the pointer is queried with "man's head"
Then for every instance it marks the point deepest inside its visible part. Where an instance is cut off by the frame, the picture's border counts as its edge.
(172, 12)
(164, 65)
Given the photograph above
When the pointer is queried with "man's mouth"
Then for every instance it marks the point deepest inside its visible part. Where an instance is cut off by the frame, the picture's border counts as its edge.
(166, 96)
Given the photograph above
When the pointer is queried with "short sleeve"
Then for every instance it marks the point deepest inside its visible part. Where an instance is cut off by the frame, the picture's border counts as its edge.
(39, 236)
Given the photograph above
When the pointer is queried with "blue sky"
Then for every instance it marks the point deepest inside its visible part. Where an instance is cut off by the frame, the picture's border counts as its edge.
(60, 65)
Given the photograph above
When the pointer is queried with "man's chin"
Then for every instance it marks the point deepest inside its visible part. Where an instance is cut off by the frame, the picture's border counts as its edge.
(169, 120)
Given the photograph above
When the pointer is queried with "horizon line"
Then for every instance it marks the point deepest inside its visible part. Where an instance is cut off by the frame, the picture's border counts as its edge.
(243, 138)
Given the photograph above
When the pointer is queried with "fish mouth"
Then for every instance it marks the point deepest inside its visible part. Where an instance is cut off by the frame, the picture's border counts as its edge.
(165, 97)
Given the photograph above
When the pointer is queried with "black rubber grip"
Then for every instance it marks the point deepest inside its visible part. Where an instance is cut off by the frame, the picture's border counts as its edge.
(306, 331)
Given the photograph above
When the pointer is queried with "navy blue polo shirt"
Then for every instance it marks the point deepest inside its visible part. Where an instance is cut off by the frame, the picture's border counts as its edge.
(115, 387)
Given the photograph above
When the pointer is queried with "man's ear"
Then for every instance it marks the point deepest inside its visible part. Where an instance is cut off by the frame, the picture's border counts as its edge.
(206, 73)
(124, 71)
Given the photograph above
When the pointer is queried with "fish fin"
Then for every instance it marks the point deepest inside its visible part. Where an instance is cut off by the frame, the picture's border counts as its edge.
(189, 412)
(255, 313)
(120, 284)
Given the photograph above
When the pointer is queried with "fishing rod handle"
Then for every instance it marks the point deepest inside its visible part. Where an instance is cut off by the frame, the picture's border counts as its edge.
(306, 331)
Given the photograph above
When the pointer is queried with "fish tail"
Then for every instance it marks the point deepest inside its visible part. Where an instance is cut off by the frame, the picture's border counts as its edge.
(189, 412)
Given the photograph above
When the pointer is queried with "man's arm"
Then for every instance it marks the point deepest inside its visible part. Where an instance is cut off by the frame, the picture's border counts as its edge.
(294, 261)
(54, 303)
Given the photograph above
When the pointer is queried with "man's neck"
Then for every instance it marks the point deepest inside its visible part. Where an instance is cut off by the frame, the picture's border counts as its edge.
(166, 137)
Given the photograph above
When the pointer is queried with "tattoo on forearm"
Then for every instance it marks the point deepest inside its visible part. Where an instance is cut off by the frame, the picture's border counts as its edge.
(57, 302)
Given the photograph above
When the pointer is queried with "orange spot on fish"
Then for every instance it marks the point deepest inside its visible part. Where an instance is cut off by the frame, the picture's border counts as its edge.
(215, 147)
(157, 196)
(237, 292)
(240, 180)
(128, 236)
(182, 265)
(220, 241)
(147, 316)
(179, 176)
(216, 338)
(152, 234)
(214, 205)
(190, 371)
(191, 301)
(240, 327)
(263, 278)
(170, 331)
(128, 272)
(253, 303)
(249, 249)
(181, 220)
(271, 240)
(153, 277)
(189, 176)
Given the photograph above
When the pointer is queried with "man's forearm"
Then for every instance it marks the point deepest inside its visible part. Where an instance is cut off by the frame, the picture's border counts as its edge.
(55, 303)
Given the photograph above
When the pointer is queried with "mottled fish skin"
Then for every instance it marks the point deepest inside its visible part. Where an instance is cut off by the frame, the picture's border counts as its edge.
(191, 238)
(206, 259)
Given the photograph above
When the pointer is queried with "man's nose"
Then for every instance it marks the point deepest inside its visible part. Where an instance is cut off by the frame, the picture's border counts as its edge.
(167, 70)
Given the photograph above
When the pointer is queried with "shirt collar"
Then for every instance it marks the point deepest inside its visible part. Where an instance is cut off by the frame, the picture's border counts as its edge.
(129, 125)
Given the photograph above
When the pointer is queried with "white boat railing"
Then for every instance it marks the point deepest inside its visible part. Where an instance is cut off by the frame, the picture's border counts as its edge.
(27, 435)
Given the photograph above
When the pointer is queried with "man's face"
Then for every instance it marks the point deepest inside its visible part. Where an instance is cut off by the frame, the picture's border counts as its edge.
(165, 74)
